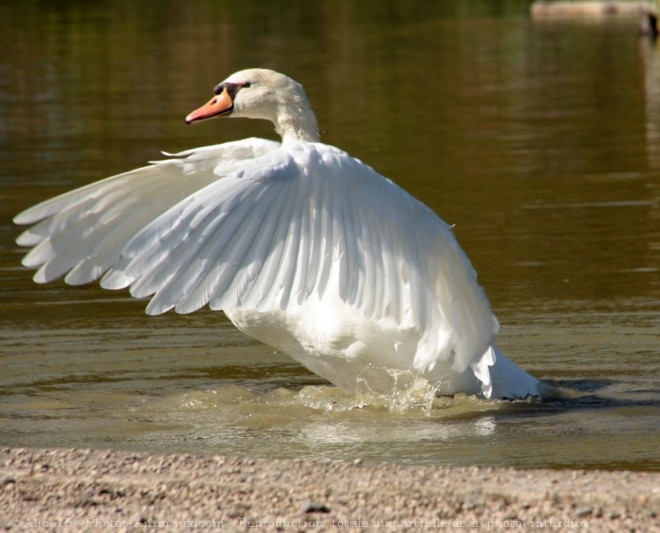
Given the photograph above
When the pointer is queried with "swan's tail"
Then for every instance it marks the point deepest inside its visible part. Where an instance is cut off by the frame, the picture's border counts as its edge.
(502, 379)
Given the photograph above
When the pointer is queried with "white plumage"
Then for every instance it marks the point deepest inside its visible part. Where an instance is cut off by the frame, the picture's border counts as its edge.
(304, 247)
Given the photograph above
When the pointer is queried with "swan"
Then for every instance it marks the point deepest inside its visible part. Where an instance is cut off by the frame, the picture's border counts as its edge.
(304, 248)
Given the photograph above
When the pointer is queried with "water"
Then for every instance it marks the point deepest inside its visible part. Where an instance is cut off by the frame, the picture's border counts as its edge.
(539, 140)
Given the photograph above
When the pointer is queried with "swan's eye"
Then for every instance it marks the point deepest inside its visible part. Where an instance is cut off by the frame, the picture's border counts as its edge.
(218, 89)
(246, 84)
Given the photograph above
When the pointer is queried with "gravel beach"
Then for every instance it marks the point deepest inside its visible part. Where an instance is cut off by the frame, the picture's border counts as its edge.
(81, 489)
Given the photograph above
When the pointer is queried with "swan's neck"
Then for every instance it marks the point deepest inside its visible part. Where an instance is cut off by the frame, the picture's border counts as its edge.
(295, 121)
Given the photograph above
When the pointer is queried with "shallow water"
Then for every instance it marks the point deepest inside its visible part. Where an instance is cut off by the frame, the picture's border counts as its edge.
(539, 140)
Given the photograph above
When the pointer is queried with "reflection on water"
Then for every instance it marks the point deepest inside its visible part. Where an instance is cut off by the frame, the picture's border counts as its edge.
(539, 140)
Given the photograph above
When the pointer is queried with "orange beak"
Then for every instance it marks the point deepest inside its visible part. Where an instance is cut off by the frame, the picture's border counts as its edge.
(219, 105)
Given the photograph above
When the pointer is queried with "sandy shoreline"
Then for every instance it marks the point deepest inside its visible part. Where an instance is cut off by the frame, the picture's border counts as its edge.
(118, 490)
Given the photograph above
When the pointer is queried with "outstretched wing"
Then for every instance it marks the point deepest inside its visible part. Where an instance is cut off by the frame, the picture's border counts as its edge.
(292, 223)
(82, 233)
(281, 226)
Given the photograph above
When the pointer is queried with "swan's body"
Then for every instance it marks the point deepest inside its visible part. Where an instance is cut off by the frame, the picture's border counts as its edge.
(304, 247)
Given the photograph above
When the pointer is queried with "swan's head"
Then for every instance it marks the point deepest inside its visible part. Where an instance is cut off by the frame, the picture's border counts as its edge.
(264, 94)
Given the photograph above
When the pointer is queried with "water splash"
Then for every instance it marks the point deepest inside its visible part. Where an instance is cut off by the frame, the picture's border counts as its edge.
(396, 391)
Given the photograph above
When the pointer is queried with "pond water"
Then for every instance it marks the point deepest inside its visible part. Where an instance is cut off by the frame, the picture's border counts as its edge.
(539, 140)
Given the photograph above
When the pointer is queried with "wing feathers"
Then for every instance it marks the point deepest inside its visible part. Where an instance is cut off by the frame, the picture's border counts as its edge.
(250, 290)
(257, 226)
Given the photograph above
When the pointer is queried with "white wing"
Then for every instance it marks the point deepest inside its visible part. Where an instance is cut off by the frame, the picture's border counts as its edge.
(283, 225)
(83, 232)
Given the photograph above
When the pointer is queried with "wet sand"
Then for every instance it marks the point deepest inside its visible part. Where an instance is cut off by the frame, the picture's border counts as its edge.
(120, 490)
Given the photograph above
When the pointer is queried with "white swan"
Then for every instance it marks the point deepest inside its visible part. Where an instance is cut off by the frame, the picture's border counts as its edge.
(304, 247)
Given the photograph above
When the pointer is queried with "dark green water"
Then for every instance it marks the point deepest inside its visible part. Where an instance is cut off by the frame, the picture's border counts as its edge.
(539, 140)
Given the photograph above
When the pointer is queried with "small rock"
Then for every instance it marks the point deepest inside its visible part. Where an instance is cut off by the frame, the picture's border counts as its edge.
(313, 507)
